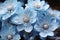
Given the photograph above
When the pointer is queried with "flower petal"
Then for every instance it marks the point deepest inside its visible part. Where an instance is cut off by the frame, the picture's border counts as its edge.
(17, 17)
(2, 11)
(37, 28)
(28, 28)
(43, 34)
(4, 17)
(20, 27)
(54, 26)
(42, 3)
(45, 7)
(16, 37)
(51, 34)
(30, 12)
(33, 20)
(57, 13)
(33, 17)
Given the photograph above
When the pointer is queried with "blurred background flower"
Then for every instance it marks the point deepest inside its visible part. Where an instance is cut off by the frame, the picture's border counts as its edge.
(37, 5)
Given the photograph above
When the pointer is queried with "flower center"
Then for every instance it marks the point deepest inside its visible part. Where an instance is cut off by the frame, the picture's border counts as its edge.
(10, 7)
(45, 26)
(53, 14)
(9, 37)
(37, 5)
(26, 19)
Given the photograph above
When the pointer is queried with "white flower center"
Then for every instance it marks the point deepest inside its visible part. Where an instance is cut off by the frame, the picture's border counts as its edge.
(53, 14)
(37, 5)
(10, 7)
(9, 37)
(26, 19)
(45, 26)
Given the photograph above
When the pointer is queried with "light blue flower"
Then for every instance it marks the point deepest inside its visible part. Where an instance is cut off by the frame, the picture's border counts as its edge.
(37, 5)
(54, 13)
(8, 8)
(46, 24)
(25, 19)
(8, 32)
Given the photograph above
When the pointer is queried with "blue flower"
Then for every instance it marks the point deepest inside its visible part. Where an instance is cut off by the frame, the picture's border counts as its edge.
(8, 8)
(25, 19)
(54, 13)
(46, 24)
(8, 32)
(37, 5)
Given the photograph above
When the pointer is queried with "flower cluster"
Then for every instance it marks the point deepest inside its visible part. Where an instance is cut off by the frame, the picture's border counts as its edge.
(27, 19)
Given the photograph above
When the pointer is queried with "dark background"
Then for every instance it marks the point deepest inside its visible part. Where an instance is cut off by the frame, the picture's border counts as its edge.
(55, 4)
